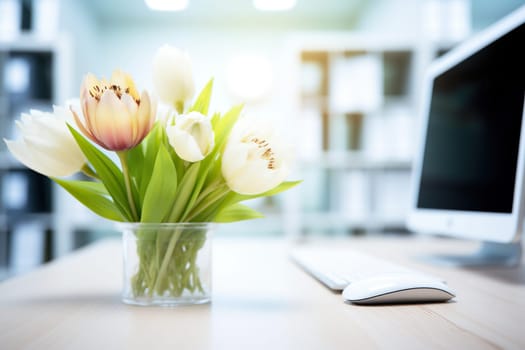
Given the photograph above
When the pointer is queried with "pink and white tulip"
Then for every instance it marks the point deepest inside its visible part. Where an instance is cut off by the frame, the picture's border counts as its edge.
(115, 116)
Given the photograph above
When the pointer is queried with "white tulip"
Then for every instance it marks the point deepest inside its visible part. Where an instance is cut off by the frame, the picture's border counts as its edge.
(172, 76)
(47, 145)
(254, 159)
(191, 136)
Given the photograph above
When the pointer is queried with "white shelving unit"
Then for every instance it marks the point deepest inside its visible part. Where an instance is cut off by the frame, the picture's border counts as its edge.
(353, 149)
(346, 208)
(28, 47)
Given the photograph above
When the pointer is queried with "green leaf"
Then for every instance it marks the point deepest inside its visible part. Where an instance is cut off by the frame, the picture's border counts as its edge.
(237, 212)
(284, 186)
(209, 213)
(108, 172)
(180, 164)
(276, 190)
(206, 207)
(201, 176)
(214, 171)
(184, 192)
(225, 125)
(215, 119)
(222, 127)
(161, 190)
(233, 197)
(202, 103)
(151, 145)
(93, 195)
(135, 159)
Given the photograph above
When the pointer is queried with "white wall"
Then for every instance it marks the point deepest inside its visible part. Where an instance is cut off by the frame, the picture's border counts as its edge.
(79, 29)
(399, 17)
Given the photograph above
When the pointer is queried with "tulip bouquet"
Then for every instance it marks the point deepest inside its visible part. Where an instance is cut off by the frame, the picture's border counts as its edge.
(184, 166)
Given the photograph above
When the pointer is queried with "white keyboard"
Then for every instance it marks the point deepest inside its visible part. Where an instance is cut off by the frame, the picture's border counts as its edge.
(338, 268)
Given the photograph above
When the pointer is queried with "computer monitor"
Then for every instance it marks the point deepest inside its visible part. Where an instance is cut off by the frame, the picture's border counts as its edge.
(468, 175)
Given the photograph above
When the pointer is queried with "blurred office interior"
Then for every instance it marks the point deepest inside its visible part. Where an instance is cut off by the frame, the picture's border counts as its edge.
(338, 77)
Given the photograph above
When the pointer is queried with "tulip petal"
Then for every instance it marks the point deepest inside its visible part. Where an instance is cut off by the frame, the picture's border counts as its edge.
(24, 125)
(253, 160)
(203, 134)
(132, 108)
(192, 136)
(125, 82)
(24, 155)
(172, 75)
(65, 157)
(82, 128)
(40, 162)
(47, 142)
(50, 140)
(144, 116)
(256, 178)
(64, 112)
(129, 103)
(47, 145)
(113, 123)
(90, 80)
(234, 158)
(184, 145)
(89, 109)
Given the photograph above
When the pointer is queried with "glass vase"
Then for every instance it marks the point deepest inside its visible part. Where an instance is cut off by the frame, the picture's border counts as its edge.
(167, 264)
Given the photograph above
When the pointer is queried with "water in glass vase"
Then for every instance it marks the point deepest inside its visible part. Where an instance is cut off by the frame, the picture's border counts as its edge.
(167, 264)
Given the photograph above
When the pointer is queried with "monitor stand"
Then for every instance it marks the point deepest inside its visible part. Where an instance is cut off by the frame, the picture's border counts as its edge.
(489, 254)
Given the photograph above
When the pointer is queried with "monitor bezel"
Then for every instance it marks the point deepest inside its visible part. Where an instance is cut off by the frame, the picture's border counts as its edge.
(485, 226)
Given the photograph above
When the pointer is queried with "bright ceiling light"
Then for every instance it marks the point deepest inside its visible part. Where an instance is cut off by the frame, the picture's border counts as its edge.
(274, 5)
(167, 5)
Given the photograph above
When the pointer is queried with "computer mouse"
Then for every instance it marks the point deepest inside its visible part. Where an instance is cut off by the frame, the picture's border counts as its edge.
(397, 288)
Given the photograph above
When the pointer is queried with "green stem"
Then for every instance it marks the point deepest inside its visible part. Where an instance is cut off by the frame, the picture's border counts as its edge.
(165, 260)
(209, 189)
(210, 199)
(179, 106)
(123, 161)
(88, 171)
(170, 270)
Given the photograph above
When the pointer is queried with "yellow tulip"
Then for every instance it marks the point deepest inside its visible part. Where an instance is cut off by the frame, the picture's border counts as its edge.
(115, 116)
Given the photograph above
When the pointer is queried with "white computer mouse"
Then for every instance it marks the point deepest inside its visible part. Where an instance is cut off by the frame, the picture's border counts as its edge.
(397, 288)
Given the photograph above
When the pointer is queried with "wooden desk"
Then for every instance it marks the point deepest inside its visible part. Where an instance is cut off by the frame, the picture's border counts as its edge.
(261, 300)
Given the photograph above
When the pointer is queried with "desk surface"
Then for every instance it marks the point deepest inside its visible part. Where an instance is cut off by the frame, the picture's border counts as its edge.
(260, 300)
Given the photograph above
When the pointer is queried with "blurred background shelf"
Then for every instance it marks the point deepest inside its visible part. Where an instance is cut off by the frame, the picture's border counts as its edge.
(353, 160)
(330, 222)
(356, 102)
(34, 64)
(7, 162)
(4, 273)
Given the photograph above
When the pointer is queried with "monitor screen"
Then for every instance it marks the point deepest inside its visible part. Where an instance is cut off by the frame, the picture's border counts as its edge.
(473, 132)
